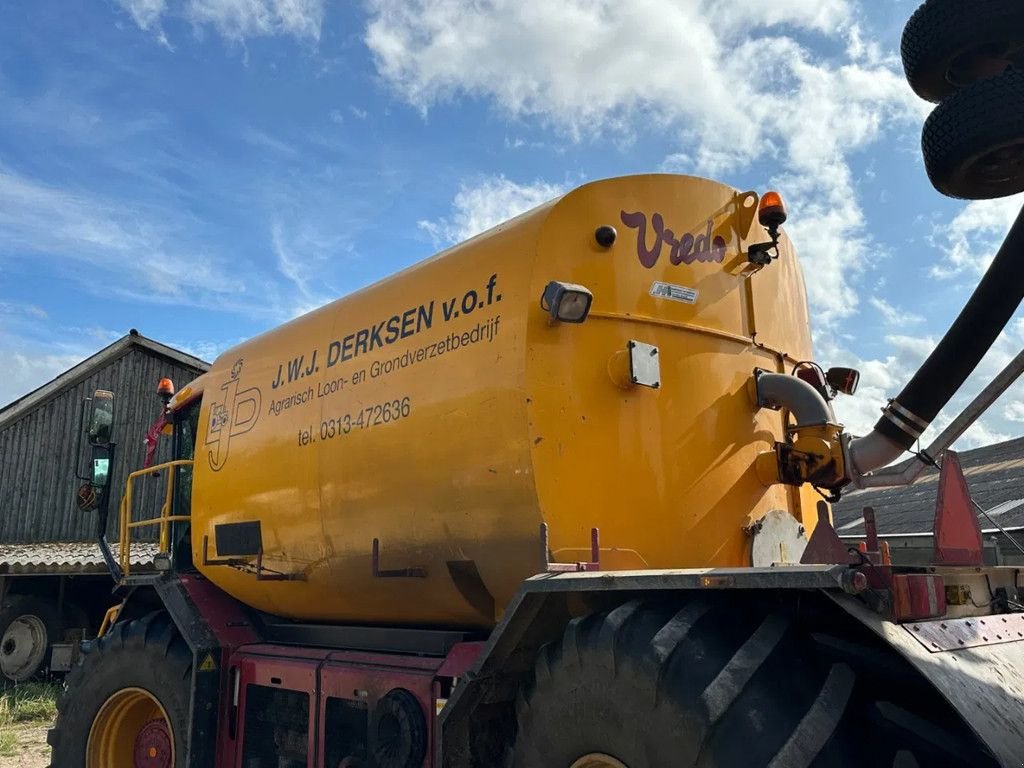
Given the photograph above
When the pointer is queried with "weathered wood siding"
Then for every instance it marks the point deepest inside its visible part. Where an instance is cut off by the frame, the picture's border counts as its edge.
(38, 452)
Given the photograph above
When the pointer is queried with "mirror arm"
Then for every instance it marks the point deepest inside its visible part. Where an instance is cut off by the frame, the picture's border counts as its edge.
(102, 515)
(78, 452)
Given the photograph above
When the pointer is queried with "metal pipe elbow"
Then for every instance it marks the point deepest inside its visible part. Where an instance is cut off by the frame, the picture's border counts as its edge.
(777, 390)
(870, 452)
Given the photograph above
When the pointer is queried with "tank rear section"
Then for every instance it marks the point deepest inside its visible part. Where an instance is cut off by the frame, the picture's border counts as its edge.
(662, 466)
(392, 456)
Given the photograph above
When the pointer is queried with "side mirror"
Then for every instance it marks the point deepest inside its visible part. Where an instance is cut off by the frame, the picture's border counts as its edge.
(101, 419)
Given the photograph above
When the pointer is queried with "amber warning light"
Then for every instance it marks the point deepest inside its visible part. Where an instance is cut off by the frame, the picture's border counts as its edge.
(165, 389)
(771, 214)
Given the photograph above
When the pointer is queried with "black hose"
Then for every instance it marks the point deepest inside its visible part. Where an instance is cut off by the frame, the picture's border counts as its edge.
(958, 353)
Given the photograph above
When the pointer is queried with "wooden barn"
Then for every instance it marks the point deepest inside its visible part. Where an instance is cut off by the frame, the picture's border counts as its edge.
(41, 444)
(54, 584)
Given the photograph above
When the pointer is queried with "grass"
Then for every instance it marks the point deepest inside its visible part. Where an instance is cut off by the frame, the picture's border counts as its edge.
(25, 704)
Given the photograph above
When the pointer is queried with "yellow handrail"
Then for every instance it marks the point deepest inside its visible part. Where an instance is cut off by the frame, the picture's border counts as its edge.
(163, 520)
(110, 618)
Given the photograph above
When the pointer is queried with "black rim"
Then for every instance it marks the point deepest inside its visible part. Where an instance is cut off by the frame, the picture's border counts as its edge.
(997, 166)
(985, 61)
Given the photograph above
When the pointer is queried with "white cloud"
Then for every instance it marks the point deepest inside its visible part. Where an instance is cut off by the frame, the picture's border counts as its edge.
(145, 13)
(1014, 411)
(25, 371)
(239, 19)
(893, 316)
(263, 140)
(38, 351)
(304, 254)
(360, 114)
(17, 309)
(974, 235)
(235, 20)
(725, 78)
(116, 247)
(476, 208)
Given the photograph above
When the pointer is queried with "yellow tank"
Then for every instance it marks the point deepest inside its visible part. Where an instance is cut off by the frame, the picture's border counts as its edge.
(444, 413)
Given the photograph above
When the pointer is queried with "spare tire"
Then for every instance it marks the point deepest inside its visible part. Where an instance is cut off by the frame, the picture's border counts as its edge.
(973, 141)
(28, 627)
(948, 44)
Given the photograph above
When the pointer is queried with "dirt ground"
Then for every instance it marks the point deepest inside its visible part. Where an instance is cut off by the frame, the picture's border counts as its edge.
(32, 750)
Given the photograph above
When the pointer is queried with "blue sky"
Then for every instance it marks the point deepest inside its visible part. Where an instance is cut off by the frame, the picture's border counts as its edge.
(203, 170)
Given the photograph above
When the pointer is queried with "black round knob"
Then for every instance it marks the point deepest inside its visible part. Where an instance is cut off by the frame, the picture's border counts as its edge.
(605, 236)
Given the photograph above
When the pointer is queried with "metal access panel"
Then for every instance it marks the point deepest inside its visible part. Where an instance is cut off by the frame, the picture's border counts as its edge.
(644, 364)
(275, 713)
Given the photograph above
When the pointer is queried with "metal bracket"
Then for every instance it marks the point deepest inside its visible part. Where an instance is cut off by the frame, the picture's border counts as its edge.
(416, 572)
(970, 632)
(545, 552)
(957, 534)
(242, 564)
(825, 546)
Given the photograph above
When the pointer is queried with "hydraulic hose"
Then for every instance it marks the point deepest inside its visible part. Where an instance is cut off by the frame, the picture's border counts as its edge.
(954, 359)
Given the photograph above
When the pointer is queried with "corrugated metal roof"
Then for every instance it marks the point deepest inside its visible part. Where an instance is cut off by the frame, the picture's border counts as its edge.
(66, 557)
(995, 478)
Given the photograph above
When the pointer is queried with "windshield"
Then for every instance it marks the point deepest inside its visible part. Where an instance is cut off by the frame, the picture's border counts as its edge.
(186, 423)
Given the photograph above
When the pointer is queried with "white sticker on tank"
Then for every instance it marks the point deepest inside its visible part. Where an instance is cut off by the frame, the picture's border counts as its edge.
(674, 292)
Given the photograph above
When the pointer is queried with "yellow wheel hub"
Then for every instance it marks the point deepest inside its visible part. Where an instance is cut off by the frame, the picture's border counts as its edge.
(131, 730)
(598, 760)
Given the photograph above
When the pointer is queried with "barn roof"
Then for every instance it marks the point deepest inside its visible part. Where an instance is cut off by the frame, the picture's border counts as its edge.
(133, 340)
(995, 478)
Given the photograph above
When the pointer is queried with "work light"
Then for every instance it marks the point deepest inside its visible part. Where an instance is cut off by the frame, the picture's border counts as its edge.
(566, 302)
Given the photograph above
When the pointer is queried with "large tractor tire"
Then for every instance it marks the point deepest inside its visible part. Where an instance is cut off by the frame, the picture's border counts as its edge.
(973, 141)
(948, 44)
(715, 685)
(28, 626)
(126, 703)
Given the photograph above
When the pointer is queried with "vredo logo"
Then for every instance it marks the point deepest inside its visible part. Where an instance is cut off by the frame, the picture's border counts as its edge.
(682, 250)
(236, 414)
